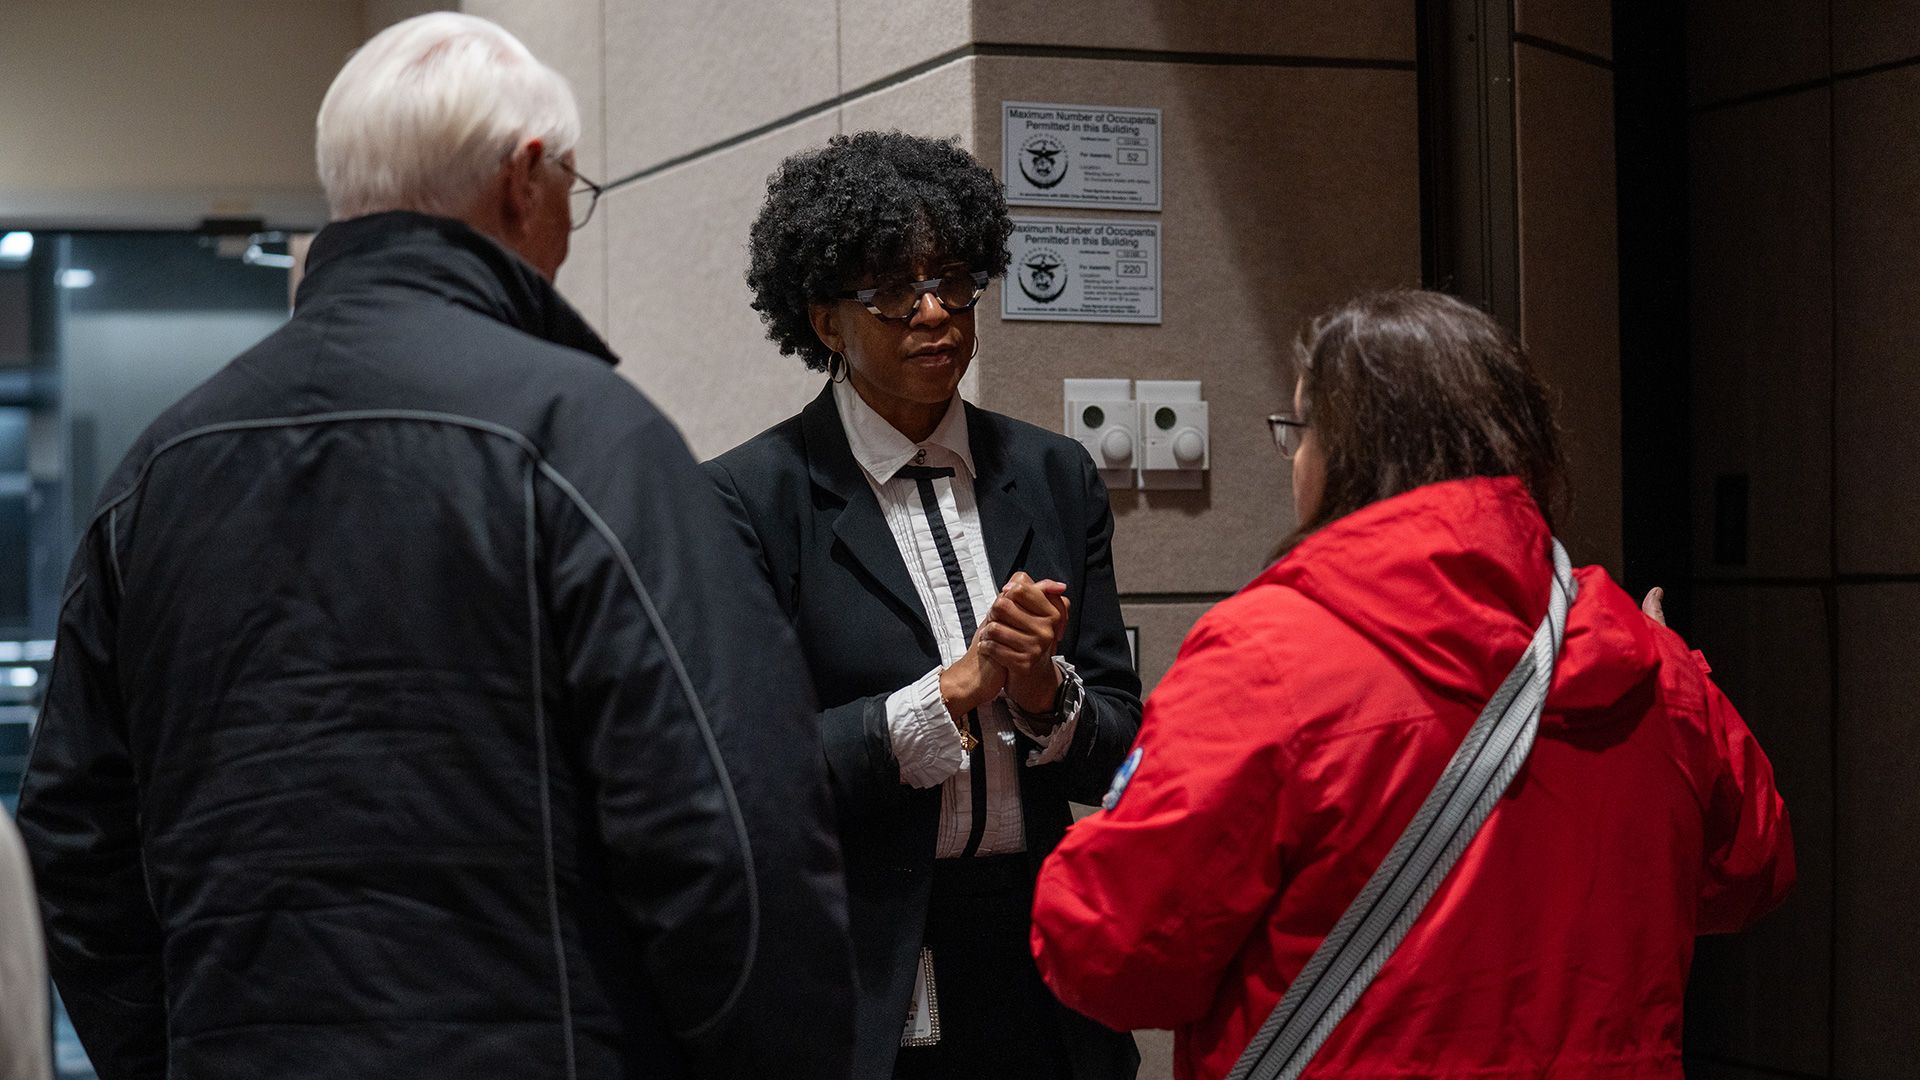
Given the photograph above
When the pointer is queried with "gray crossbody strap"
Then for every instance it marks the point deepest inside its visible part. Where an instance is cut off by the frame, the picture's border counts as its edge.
(1377, 921)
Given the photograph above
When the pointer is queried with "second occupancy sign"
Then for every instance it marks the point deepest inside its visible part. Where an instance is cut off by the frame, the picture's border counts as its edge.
(1080, 155)
(1083, 270)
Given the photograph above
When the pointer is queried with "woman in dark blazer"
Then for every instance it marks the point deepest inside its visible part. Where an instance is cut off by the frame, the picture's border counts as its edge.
(950, 576)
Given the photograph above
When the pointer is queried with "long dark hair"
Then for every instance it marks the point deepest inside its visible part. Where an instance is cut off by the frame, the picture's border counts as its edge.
(1409, 387)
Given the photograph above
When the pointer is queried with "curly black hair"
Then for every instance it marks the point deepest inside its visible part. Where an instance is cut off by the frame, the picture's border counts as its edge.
(867, 205)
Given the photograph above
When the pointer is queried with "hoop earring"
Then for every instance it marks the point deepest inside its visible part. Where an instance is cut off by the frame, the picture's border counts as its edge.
(836, 368)
(976, 351)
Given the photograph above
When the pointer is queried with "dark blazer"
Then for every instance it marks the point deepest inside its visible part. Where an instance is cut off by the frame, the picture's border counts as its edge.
(805, 508)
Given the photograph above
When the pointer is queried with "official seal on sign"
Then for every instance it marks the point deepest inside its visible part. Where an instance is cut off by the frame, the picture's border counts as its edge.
(1043, 275)
(1043, 161)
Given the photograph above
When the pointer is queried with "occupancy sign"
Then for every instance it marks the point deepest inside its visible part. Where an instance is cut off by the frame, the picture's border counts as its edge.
(1083, 270)
(1080, 155)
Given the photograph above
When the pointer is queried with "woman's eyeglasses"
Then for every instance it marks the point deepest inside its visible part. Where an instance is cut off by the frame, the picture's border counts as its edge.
(956, 290)
(1288, 429)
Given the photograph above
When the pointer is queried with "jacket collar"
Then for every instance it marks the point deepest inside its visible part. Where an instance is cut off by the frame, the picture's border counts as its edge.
(1006, 519)
(401, 252)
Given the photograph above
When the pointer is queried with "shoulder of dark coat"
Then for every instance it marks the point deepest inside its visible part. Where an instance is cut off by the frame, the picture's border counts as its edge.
(581, 414)
(570, 404)
(562, 368)
(764, 459)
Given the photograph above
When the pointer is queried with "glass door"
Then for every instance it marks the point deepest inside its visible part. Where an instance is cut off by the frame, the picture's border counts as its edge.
(99, 333)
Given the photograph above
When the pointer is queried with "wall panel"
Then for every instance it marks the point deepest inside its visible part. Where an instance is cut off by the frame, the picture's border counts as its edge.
(1761, 996)
(1879, 834)
(1569, 280)
(1877, 383)
(1763, 330)
(1163, 629)
(937, 104)
(677, 293)
(1739, 47)
(1586, 25)
(684, 74)
(879, 40)
(1870, 32)
(1363, 29)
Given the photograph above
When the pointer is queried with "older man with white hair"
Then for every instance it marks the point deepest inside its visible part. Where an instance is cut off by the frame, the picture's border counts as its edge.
(417, 713)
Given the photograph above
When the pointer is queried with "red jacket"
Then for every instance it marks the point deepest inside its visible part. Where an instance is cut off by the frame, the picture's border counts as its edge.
(1302, 725)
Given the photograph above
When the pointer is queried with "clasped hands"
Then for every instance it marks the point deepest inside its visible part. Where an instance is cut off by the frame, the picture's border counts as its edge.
(1012, 651)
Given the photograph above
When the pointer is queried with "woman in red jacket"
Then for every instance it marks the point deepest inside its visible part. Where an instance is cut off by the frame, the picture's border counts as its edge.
(1308, 717)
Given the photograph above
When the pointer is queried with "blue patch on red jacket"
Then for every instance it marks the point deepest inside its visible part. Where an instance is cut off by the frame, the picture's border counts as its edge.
(1120, 778)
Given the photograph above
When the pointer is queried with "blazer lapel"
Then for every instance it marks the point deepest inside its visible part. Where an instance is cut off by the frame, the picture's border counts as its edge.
(860, 525)
(1007, 523)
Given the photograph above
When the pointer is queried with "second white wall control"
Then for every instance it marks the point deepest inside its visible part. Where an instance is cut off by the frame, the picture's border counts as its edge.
(1175, 447)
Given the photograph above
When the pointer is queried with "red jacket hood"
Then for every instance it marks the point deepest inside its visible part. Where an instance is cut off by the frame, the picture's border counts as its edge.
(1453, 579)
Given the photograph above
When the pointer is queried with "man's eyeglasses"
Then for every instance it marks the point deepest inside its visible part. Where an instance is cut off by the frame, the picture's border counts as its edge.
(956, 290)
(583, 198)
(1288, 429)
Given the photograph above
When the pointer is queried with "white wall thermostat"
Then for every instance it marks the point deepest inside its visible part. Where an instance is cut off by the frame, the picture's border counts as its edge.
(1103, 416)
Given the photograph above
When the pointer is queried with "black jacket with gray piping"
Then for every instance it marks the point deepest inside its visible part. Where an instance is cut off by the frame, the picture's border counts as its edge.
(416, 713)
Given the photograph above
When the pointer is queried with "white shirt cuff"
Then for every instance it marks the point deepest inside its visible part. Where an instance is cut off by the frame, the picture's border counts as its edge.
(1053, 733)
(925, 742)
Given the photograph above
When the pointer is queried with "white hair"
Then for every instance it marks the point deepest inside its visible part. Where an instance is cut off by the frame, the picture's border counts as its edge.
(423, 115)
